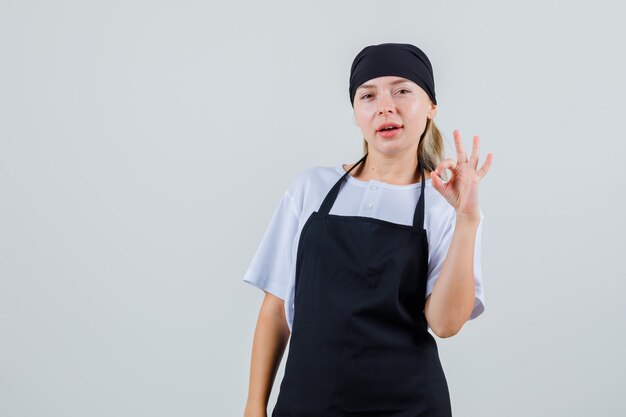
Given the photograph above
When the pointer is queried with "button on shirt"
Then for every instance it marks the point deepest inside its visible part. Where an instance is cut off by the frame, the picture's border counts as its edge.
(272, 268)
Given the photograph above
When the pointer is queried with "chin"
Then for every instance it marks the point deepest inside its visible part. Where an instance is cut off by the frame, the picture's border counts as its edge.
(388, 147)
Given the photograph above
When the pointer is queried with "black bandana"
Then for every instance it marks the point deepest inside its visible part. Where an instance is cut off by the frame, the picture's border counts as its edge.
(399, 59)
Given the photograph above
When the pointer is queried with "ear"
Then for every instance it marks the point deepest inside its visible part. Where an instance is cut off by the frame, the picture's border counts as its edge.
(433, 111)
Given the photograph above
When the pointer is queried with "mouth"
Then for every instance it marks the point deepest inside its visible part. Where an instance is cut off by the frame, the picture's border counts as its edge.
(389, 132)
(387, 127)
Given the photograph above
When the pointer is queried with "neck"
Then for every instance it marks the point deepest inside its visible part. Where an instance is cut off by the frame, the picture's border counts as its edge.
(398, 169)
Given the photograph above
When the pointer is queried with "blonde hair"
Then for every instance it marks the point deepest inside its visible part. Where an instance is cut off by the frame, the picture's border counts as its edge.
(431, 147)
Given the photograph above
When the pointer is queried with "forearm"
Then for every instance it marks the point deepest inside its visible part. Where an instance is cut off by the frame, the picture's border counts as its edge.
(452, 299)
(270, 340)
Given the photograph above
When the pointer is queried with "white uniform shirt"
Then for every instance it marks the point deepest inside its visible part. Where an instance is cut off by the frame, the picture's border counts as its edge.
(273, 266)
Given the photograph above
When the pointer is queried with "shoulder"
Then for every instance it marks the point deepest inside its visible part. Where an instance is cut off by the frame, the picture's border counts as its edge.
(310, 183)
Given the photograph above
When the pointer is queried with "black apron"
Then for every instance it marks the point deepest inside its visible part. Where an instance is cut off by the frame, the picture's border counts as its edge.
(360, 344)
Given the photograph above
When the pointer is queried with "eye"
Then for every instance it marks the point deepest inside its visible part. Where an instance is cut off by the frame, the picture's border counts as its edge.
(404, 89)
(364, 95)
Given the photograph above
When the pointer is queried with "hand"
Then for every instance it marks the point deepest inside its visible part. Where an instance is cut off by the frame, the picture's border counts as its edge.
(461, 191)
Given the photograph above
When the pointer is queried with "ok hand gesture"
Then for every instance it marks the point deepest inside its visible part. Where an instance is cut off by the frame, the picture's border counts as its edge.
(461, 191)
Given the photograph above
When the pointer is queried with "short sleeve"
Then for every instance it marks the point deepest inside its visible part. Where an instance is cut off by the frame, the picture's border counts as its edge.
(438, 255)
(271, 265)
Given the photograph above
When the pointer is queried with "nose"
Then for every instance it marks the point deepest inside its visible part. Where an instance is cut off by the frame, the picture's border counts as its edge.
(385, 105)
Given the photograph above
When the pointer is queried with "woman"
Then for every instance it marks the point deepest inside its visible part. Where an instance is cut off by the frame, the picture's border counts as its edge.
(358, 264)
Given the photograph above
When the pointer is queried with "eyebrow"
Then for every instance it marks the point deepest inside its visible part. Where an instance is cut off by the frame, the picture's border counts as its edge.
(392, 83)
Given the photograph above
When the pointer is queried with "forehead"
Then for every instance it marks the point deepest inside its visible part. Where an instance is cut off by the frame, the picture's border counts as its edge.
(381, 82)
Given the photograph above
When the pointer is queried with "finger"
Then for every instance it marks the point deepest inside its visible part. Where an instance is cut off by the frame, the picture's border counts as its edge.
(460, 151)
(473, 160)
(485, 168)
(447, 163)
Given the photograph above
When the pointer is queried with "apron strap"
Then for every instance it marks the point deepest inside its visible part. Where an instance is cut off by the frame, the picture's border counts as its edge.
(332, 194)
(418, 216)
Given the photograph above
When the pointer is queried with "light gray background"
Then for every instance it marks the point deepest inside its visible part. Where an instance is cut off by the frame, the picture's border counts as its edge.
(145, 144)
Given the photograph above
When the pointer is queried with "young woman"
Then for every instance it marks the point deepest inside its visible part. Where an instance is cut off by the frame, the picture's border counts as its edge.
(360, 260)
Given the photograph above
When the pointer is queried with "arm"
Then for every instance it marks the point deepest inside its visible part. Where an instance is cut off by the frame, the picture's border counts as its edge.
(451, 302)
(270, 340)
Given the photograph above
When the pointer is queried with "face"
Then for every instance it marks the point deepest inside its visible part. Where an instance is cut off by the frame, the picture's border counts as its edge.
(395, 100)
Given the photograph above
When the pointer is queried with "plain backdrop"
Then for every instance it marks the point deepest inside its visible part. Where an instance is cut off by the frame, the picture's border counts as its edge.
(145, 144)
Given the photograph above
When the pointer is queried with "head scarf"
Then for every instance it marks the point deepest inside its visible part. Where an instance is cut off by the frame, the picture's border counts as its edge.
(399, 59)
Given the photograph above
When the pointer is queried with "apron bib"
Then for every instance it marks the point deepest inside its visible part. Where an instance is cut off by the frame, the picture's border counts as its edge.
(360, 344)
